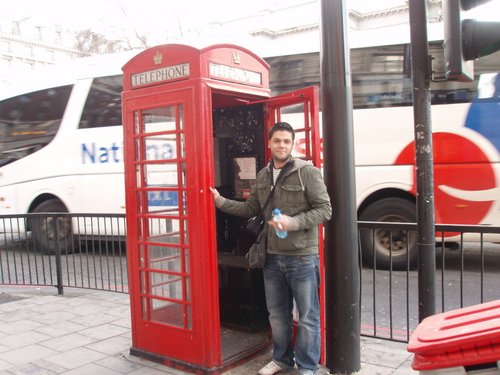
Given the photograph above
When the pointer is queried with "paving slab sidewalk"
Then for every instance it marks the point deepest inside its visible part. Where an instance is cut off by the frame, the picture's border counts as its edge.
(88, 332)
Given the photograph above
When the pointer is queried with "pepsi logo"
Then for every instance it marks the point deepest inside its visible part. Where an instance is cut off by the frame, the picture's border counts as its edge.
(464, 180)
(301, 149)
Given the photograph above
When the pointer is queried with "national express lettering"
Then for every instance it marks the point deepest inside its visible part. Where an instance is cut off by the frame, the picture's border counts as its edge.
(93, 153)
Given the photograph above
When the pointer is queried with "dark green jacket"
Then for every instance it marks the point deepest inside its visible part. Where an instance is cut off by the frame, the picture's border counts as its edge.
(300, 194)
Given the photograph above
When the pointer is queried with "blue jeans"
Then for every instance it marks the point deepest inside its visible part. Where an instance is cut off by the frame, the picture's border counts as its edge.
(288, 278)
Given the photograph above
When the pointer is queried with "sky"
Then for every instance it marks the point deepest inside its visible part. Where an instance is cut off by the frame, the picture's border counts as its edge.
(80, 13)
(154, 14)
(174, 18)
(168, 21)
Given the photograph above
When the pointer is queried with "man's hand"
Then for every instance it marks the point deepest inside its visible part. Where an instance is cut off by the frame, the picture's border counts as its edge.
(282, 224)
(214, 192)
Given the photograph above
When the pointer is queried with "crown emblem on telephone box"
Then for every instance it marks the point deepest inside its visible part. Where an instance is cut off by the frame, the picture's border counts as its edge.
(236, 58)
(158, 58)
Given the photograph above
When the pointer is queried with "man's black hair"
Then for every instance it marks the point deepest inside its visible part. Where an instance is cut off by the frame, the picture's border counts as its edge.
(285, 126)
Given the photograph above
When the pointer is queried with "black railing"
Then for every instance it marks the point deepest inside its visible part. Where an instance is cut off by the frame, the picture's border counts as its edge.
(64, 250)
(88, 251)
(467, 273)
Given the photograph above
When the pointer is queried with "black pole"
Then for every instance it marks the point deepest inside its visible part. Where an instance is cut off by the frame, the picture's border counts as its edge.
(59, 278)
(341, 245)
(423, 159)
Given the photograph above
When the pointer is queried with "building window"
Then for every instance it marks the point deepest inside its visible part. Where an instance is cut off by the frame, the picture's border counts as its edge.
(16, 28)
(38, 33)
(58, 38)
(4, 65)
(5, 47)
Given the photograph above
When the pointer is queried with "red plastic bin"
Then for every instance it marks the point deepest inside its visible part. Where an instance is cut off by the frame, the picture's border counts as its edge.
(463, 337)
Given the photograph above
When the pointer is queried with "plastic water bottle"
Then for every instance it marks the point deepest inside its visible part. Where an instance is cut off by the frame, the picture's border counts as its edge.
(276, 217)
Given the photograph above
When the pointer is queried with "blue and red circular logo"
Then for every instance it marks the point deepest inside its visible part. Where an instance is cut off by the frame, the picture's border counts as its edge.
(464, 179)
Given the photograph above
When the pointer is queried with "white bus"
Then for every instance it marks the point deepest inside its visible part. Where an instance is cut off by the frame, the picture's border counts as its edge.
(61, 141)
(466, 140)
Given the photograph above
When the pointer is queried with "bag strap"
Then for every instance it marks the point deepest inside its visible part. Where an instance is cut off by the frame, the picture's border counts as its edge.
(283, 170)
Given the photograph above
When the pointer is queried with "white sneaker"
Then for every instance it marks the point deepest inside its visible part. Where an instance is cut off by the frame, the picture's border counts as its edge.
(274, 367)
(306, 372)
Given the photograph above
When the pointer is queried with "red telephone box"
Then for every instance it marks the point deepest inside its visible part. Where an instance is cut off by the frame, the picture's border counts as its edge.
(193, 119)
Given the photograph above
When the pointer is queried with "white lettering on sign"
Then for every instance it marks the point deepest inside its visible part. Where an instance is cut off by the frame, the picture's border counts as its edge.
(235, 74)
(160, 75)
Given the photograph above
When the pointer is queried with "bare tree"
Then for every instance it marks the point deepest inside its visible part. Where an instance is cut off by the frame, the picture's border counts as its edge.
(92, 43)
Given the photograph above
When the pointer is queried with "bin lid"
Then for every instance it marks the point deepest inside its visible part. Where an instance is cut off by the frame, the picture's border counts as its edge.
(459, 337)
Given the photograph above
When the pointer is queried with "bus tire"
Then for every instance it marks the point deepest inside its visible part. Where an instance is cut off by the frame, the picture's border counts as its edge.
(45, 237)
(375, 245)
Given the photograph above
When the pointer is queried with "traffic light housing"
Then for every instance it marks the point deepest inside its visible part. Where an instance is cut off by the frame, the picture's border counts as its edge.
(466, 39)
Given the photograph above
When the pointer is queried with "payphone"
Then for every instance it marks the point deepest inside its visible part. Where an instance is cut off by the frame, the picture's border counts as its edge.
(195, 118)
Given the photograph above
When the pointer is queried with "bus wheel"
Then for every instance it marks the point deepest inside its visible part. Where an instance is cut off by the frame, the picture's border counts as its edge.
(382, 247)
(52, 232)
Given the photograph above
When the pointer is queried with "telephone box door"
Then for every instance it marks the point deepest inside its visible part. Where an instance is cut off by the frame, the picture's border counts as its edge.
(301, 110)
(160, 170)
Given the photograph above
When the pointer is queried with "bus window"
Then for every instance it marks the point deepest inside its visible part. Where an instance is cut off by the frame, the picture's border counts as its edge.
(30, 121)
(380, 76)
(103, 106)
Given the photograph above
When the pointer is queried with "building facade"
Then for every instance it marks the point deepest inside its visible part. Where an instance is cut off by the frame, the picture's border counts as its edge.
(26, 46)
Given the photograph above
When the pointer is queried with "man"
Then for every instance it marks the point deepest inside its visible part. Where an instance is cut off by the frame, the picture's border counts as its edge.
(291, 272)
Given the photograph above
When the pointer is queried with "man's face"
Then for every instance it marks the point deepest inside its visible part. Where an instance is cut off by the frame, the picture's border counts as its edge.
(281, 145)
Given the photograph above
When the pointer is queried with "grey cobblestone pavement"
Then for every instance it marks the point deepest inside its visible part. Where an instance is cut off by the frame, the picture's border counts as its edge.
(88, 332)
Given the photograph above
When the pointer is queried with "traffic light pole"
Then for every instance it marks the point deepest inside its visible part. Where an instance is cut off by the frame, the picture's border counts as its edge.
(466, 39)
(421, 72)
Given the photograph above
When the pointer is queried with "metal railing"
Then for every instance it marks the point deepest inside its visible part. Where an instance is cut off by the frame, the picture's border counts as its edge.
(88, 251)
(64, 250)
(467, 273)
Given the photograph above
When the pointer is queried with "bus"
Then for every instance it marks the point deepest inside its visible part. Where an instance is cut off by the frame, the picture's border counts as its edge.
(61, 143)
(465, 119)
